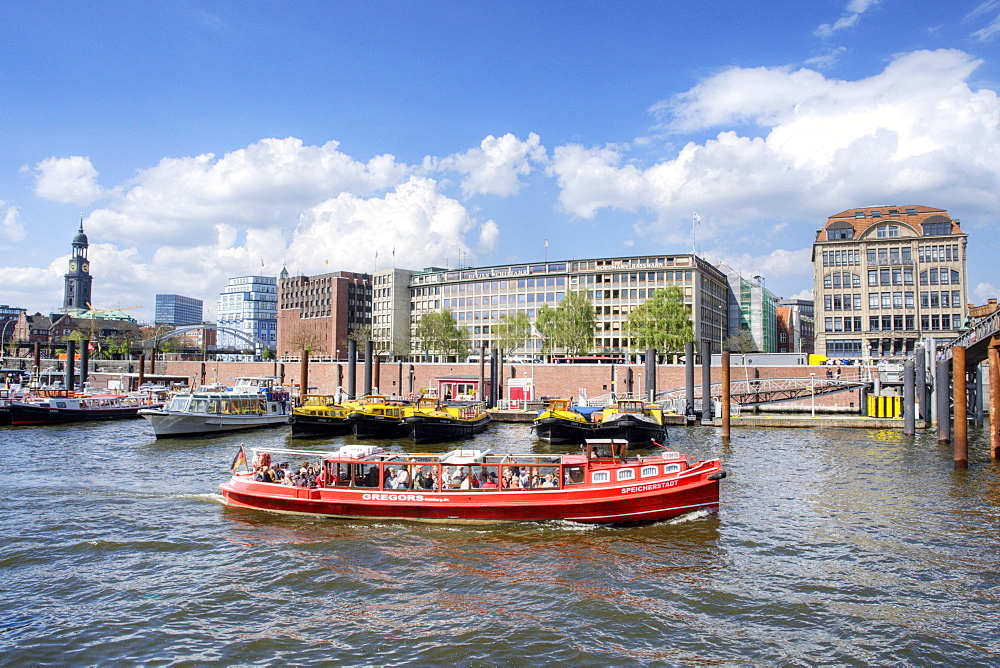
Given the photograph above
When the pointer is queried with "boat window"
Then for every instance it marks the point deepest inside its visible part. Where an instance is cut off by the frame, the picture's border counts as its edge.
(60, 404)
(648, 471)
(214, 406)
(573, 475)
(600, 476)
(179, 403)
(626, 474)
(671, 468)
(198, 405)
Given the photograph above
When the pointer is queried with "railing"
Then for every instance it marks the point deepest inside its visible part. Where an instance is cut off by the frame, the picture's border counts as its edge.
(983, 328)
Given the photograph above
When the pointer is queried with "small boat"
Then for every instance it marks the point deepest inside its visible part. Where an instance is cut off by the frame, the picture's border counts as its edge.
(429, 421)
(61, 406)
(377, 416)
(601, 485)
(634, 420)
(560, 423)
(249, 404)
(322, 415)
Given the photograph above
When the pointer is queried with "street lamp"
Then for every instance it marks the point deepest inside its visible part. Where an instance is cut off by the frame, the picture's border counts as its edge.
(812, 392)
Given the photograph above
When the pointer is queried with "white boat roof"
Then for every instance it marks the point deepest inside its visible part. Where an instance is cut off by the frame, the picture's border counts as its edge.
(464, 456)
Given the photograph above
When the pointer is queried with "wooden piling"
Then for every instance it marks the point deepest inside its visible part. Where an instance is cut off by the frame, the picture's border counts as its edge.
(960, 444)
(994, 379)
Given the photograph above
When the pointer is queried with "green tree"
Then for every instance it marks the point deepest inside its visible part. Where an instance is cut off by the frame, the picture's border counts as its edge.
(570, 326)
(512, 331)
(742, 342)
(440, 333)
(662, 322)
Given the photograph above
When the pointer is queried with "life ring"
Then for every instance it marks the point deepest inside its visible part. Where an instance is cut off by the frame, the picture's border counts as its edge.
(262, 459)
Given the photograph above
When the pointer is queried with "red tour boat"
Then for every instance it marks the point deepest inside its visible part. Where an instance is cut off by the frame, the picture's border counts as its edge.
(601, 485)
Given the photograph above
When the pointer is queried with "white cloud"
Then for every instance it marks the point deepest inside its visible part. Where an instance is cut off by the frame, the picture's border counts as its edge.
(270, 182)
(852, 13)
(11, 227)
(70, 180)
(991, 29)
(495, 167)
(984, 291)
(423, 226)
(821, 144)
(778, 265)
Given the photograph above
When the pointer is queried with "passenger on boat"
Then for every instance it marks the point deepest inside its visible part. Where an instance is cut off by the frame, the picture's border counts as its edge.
(491, 481)
(549, 481)
(403, 479)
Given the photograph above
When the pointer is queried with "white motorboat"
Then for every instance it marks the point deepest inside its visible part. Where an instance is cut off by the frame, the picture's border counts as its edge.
(249, 404)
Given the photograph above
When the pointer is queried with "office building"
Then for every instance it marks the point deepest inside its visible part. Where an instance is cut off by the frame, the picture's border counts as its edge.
(885, 277)
(796, 326)
(751, 308)
(248, 316)
(323, 312)
(177, 310)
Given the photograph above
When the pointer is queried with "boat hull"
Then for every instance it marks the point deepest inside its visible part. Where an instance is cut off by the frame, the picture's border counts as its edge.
(613, 505)
(24, 414)
(559, 431)
(377, 426)
(309, 425)
(636, 430)
(433, 429)
(169, 425)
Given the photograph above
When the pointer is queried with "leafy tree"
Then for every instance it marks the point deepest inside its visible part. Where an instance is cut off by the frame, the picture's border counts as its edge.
(570, 326)
(512, 331)
(439, 332)
(662, 322)
(742, 342)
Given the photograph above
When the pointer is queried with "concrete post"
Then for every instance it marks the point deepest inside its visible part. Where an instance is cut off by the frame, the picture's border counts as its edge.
(689, 379)
(493, 377)
(650, 388)
(942, 404)
(483, 396)
(352, 370)
(909, 398)
(84, 362)
(70, 381)
(706, 381)
(920, 391)
(726, 397)
(960, 389)
(368, 367)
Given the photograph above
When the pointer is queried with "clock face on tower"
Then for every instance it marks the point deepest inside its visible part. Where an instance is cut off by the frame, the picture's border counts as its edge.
(86, 267)
(72, 266)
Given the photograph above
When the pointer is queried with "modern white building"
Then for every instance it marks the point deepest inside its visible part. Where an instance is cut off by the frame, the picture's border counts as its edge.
(249, 306)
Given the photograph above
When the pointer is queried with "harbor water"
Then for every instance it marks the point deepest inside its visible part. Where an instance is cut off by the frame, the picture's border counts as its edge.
(832, 546)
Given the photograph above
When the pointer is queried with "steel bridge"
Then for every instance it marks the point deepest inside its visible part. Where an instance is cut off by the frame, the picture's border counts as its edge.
(758, 391)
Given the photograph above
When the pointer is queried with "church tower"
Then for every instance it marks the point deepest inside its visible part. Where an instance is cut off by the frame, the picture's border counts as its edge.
(76, 294)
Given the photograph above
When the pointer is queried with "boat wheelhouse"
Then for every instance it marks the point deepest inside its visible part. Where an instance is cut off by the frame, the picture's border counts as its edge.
(430, 421)
(249, 404)
(378, 416)
(601, 485)
(322, 415)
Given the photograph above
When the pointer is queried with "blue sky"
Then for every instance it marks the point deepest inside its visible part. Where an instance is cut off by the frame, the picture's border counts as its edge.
(204, 140)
